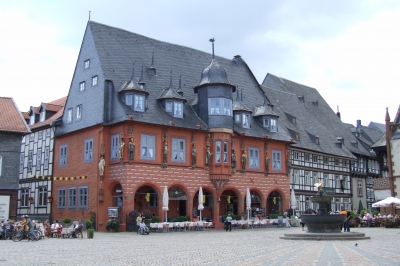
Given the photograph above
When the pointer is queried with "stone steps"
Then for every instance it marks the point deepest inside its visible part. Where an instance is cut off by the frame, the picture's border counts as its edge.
(326, 236)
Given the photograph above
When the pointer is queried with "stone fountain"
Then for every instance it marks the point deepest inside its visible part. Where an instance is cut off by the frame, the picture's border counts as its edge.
(322, 225)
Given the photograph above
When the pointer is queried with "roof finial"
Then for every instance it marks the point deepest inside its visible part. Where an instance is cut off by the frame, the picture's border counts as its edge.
(241, 95)
(89, 15)
(170, 81)
(133, 72)
(212, 40)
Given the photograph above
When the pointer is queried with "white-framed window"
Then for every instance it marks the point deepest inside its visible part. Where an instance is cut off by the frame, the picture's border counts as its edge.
(295, 176)
(237, 118)
(21, 163)
(359, 188)
(225, 146)
(274, 125)
(72, 198)
(178, 150)
(218, 151)
(82, 86)
(128, 99)
(79, 112)
(42, 193)
(336, 162)
(245, 120)
(31, 136)
(220, 106)
(315, 158)
(46, 158)
(24, 197)
(326, 161)
(38, 159)
(254, 154)
(266, 122)
(337, 181)
(178, 109)
(23, 139)
(168, 106)
(88, 150)
(326, 181)
(306, 157)
(147, 147)
(40, 134)
(139, 103)
(61, 198)
(83, 197)
(63, 155)
(307, 180)
(276, 160)
(114, 146)
(30, 161)
(94, 81)
(86, 64)
(48, 132)
(69, 115)
(296, 155)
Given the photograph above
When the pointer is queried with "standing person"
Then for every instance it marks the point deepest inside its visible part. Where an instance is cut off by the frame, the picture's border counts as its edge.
(302, 224)
(228, 223)
(348, 218)
(29, 223)
(343, 212)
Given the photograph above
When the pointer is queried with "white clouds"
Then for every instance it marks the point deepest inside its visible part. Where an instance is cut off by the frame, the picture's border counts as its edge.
(35, 67)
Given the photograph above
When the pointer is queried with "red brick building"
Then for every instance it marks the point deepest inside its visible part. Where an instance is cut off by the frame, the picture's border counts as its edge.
(122, 139)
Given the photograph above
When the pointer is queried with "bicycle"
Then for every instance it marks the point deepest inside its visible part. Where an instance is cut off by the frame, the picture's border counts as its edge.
(20, 234)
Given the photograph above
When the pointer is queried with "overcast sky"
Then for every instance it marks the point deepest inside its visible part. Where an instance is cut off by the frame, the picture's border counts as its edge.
(348, 50)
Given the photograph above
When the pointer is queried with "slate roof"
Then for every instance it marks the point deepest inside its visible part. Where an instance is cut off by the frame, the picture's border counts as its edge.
(11, 119)
(118, 49)
(316, 109)
(377, 126)
(287, 106)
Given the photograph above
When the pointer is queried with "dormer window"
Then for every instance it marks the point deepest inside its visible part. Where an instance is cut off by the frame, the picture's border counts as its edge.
(32, 119)
(139, 103)
(178, 109)
(242, 119)
(220, 106)
(128, 99)
(271, 124)
(42, 115)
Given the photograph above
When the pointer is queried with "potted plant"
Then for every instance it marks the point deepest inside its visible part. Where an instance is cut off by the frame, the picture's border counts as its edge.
(90, 233)
(112, 225)
(50, 198)
(67, 221)
(88, 224)
(355, 219)
(147, 215)
(30, 198)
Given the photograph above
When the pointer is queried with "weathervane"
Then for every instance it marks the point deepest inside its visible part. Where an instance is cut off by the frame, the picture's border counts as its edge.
(212, 40)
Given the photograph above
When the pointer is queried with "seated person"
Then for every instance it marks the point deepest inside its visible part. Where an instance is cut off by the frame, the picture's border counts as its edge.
(143, 226)
(77, 227)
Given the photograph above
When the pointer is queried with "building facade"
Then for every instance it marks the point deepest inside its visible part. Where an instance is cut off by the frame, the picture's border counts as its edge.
(36, 160)
(137, 120)
(12, 129)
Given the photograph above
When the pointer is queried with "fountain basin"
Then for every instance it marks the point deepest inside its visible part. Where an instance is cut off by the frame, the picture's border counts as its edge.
(325, 223)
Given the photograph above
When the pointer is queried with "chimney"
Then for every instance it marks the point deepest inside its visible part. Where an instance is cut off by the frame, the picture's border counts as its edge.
(338, 113)
(359, 126)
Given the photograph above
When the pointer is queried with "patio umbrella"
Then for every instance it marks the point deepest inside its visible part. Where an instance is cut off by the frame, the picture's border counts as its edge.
(360, 206)
(200, 207)
(165, 202)
(293, 200)
(388, 202)
(248, 202)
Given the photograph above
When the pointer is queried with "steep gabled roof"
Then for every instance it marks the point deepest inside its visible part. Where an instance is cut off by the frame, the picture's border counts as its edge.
(118, 49)
(56, 106)
(11, 119)
(321, 111)
(307, 126)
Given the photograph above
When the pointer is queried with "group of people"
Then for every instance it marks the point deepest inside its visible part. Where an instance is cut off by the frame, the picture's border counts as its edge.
(26, 223)
(6, 226)
(142, 225)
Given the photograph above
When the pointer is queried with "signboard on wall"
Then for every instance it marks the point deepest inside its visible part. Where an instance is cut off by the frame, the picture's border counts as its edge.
(4, 207)
(112, 212)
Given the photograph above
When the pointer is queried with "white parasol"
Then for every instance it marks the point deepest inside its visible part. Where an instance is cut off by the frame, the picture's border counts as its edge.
(165, 202)
(200, 207)
(388, 202)
(248, 202)
(293, 200)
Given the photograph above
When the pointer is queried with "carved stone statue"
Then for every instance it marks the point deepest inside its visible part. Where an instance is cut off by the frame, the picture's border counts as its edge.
(121, 148)
(208, 156)
(131, 149)
(233, 158)
(102, 164)
(244, 160)
(267, 159)
(165, 152)
(194, 155)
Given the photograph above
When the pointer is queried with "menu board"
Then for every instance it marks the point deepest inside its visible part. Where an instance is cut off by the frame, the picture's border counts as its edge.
(4, 207)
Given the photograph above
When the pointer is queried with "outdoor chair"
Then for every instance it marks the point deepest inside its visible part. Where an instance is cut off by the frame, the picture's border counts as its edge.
(181, 226)
(160, 227)
(78, 233)
(200, 226)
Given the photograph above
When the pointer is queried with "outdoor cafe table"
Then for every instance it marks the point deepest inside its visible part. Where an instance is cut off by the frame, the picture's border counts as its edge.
(66, 231)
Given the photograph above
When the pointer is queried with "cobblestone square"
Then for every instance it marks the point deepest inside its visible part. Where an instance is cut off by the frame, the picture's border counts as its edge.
(214, 247)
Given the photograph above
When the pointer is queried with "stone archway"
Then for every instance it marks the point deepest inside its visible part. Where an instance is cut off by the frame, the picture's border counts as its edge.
(229, 202)
(208, 200)
(274, 203)
(177, 201)
(147, 197)
(255, 204)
